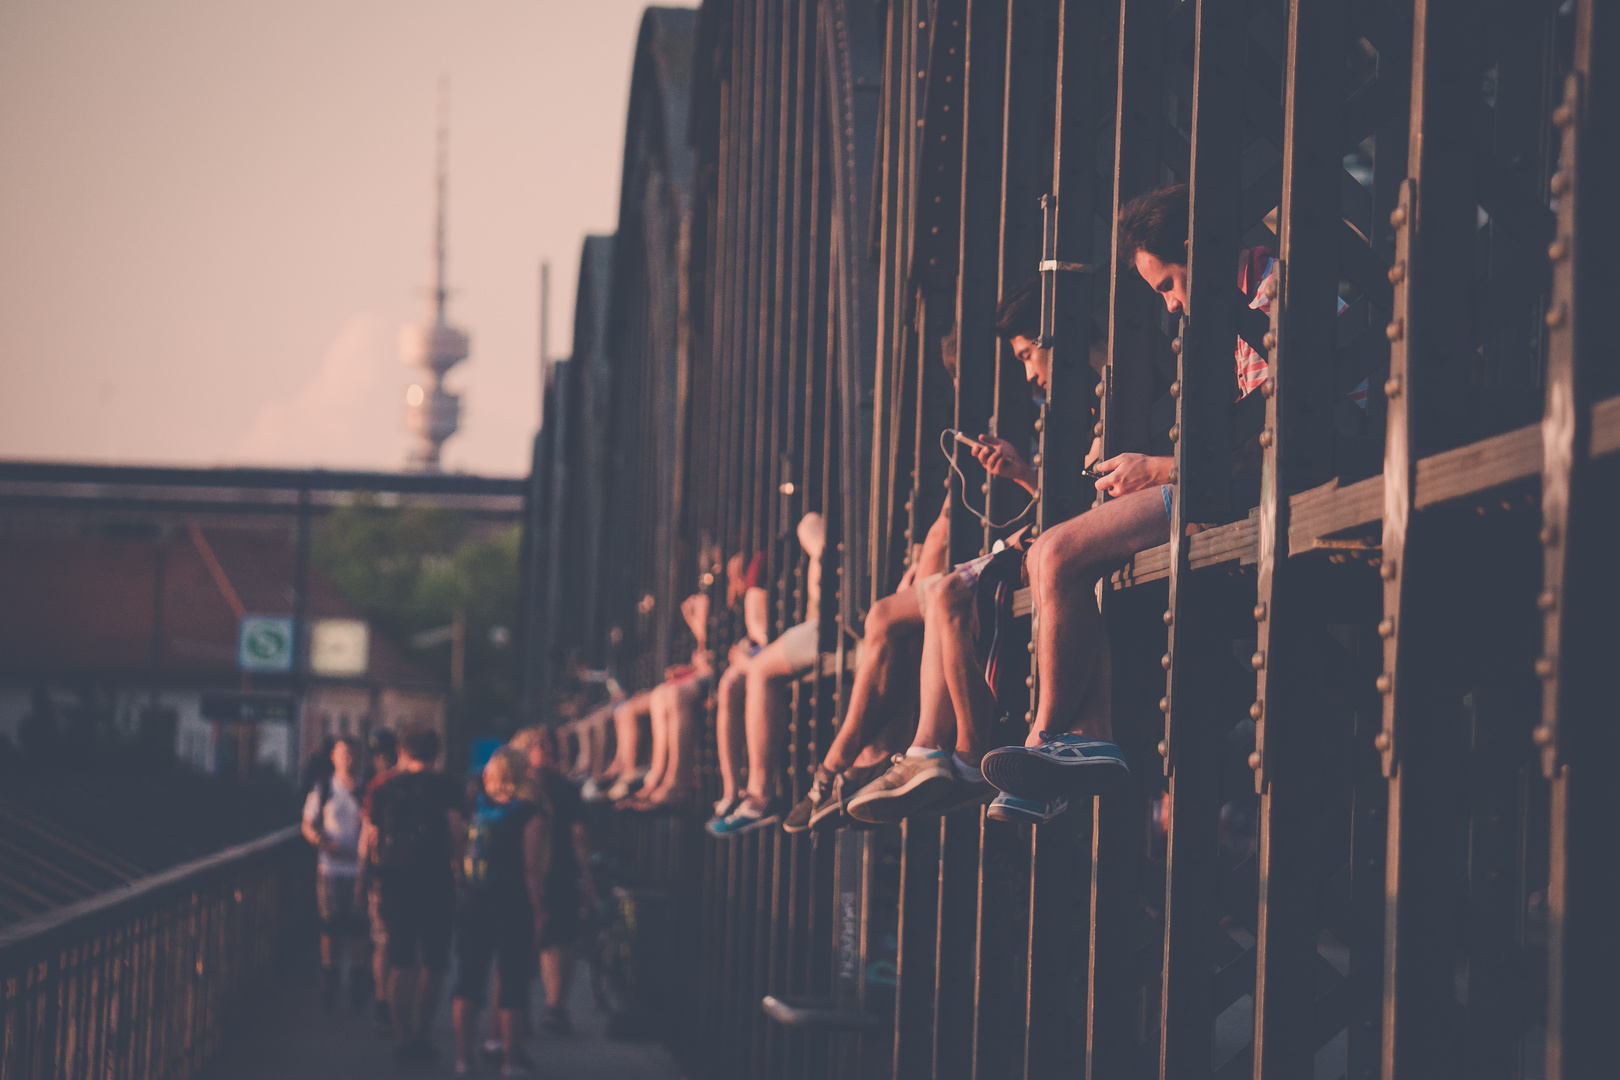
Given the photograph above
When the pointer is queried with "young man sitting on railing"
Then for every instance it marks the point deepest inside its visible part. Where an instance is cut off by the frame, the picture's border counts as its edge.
(1069, 752)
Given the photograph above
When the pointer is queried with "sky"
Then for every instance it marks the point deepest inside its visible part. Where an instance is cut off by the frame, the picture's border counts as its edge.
(215, 215)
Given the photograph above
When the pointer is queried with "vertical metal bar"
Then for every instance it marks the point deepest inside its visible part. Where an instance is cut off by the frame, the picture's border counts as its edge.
(953, 963)
(1434, 223)
(1297, 453)
(914, 989)
(983, 85)
(1579, 582)
(1201, 494)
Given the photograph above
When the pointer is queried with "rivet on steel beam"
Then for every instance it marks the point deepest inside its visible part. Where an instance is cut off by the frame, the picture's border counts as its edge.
(1098, 389)
(1549, 533)
(1035, 460)
(984, 488)
(1164, 748)
(1175, 474)
(1555, 315)
(1254, 760)
(1559, 182)
(1563, 116)
(1386, 627)
(1035, 530)
(1029, 717)
(1096, 429)
(1260, 612)
(1029, 681)
(1269, 339)
(1394, 330)
(1392, 386)
(1167, 617)
(1558, 249)
(1040, 424)
(1397, 273)
(1175, 345)
(1271, 287)
(1386, 570)
(1547, 600)
(1030, 647)
(1542, 735)
(1164, 661)
(1175, 388)
(1384, 682)
(1381, 741)
(1544, 666)
(1269, 387)
(1256, 711)
(1175, 432)
(1397, 216)
(1265, 436)
(1164, 705)
(1258, 660)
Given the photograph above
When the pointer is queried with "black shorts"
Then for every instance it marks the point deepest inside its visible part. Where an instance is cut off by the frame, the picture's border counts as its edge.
(417, 915)
(563, 923)
(507, 937)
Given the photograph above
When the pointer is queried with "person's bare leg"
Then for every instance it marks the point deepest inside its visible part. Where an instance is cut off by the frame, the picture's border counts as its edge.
(658, 721)
(399, 1004)
(936, 721)
(510, 1031)
(1071, 647)
(896, 735)
(732, 736)
(556, 964)
(767, 719)
(686, 719)
(464, 1016)
(881, 682)
(627, 728)
(951, 621)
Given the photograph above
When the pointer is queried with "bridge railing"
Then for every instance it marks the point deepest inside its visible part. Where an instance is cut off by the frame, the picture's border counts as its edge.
(146, 981)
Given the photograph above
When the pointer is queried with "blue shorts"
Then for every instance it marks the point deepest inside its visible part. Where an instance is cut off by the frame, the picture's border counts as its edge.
(1165, 491)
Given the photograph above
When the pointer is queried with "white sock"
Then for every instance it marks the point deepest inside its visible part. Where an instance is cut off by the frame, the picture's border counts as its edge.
(967, 772)
(921, 751)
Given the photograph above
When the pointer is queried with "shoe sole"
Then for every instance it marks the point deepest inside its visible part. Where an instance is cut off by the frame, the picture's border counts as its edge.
(1036, 776)
(886, 807)
(793, 829)
(827, 817)
(1012, 816)
(962, 799)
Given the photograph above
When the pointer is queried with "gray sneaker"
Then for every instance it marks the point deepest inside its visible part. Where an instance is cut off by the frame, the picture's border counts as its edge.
(910, 784)
(833, 813)
(821, 789)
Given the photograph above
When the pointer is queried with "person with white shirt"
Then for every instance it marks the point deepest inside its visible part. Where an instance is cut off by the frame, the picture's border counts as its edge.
(332, 825)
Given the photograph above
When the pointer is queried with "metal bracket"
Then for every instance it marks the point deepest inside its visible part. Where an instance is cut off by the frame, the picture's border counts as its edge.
(1066, 267)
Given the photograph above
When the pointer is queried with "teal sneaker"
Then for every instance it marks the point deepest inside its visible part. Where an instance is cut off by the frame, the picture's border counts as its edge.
(748, 817)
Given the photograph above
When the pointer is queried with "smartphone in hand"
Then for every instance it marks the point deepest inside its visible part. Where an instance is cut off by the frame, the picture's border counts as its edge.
(966, 440)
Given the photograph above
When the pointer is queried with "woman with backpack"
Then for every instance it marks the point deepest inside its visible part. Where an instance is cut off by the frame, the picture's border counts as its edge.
(332, 825)
(502, 910)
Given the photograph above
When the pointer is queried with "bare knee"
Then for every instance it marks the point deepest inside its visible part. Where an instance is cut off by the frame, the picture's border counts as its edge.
(953, 601)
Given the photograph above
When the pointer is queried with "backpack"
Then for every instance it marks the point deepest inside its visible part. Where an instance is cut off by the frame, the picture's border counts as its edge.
(482, 869)
(405, 836)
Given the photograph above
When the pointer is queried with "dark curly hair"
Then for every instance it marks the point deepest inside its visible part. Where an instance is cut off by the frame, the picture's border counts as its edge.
(1155, 222)
(1019, 313)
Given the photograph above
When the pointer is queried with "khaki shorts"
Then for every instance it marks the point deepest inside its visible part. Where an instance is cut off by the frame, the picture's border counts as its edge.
(968, 571)
(799, 646)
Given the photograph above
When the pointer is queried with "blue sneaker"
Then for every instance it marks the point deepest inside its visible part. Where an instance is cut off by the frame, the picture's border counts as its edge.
(1069, 765)
(1011, 808)
(745, 819)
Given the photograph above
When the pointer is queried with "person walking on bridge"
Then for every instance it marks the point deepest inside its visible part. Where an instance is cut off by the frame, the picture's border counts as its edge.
(332, 825)
(414, 839)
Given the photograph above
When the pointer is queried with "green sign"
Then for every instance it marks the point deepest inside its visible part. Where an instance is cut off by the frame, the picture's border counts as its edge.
(265, 643)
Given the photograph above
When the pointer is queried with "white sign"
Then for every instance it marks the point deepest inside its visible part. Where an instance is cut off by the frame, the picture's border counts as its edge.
(339, 647)
(265, 643)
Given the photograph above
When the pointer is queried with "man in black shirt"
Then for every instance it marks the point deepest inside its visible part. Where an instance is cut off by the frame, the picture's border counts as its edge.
(412, 840)
(570, 888)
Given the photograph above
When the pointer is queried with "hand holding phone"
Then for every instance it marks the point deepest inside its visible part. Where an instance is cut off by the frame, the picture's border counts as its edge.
(966, 439)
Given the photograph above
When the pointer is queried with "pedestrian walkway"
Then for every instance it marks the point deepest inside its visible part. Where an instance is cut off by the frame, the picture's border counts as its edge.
(293, 1038)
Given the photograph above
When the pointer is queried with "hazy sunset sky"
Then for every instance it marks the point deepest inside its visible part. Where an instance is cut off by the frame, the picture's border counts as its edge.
(215, 215)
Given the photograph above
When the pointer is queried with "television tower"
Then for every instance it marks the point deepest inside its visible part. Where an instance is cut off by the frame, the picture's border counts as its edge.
(433, 346)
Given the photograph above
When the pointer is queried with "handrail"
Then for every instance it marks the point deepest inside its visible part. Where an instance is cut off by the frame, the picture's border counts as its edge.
(61, 920)
(145, 980)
